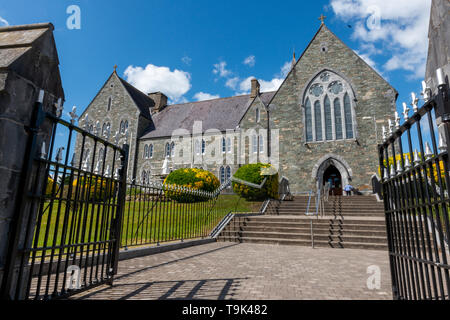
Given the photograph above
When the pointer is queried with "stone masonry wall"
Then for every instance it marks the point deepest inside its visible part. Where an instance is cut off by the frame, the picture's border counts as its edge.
(122, 108)
(375, 98)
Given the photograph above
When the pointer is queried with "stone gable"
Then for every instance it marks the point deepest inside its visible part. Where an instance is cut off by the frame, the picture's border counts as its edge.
(374, 98)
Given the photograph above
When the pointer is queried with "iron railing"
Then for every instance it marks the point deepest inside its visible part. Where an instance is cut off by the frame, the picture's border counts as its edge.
(68, 222)
(415, 180)
(157, 213)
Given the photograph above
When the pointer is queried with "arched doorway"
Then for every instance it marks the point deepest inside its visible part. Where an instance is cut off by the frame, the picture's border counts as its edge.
(334, 178)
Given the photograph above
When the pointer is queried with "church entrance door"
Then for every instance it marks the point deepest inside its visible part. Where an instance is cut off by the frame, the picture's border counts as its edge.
(333, 176)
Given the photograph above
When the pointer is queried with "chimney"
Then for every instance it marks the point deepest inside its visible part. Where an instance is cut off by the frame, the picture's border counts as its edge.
(255, 89)
(160, 100)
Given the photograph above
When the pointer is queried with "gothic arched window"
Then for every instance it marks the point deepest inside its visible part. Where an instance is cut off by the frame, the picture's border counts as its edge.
(146, 152)
(329, 110)
(172, 149)
(224, 145)
(261, 143)
(150, 151)
(167, 150)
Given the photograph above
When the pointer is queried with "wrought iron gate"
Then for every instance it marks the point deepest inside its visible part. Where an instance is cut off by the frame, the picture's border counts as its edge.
(414, 163)
(66, 234)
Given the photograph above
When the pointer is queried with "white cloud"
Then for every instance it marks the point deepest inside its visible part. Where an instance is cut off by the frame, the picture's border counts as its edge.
(220, 69)
(250, 61)
(186, 60)
(400, 27)
(266, 86)
(3, 22)
(200, 96)
(285, 69)
(232, 83)
(153, 78)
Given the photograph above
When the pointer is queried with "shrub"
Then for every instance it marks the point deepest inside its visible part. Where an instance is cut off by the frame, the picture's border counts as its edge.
(94, 188)
(252, 173)
(196, 179)
(49, 187)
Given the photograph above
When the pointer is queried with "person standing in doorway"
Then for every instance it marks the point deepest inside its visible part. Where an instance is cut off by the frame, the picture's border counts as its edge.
(348, 189)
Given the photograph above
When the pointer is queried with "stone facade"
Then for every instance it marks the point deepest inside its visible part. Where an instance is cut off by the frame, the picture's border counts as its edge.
(374, 104)
(281, 123)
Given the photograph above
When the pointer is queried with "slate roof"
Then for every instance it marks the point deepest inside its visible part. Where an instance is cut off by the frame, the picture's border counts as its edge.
(221, 114)
(142, 101)
(15, 41)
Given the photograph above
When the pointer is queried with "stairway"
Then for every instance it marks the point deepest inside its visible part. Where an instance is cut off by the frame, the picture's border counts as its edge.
(349, 222)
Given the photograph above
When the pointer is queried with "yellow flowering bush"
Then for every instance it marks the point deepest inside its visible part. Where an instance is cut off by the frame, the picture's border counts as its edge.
(436, 170)
(255, 173)
(94, 188)
(192, 178)
(49, 188)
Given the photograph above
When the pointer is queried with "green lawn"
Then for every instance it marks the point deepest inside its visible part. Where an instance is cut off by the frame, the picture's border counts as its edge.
(144, 222)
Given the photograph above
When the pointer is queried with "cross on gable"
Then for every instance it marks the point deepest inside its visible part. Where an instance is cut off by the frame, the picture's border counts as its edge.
(322, 18)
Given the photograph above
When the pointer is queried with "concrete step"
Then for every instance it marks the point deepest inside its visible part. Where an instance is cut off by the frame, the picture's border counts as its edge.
(305, 236)
(301, 220)
(324, 244)
(356, 230)
(365, 208)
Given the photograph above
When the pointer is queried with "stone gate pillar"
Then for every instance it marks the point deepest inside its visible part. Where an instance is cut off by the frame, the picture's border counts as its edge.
(439, 58)
(28, 65)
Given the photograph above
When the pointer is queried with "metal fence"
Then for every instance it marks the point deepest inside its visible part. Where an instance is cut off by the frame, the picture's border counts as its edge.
(67, 227)
(414, 163)
(156, 213)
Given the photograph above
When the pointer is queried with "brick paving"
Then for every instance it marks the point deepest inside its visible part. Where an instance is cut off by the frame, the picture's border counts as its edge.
(226, 270)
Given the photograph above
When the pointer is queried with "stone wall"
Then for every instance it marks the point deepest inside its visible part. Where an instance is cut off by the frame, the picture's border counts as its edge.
(20, 83)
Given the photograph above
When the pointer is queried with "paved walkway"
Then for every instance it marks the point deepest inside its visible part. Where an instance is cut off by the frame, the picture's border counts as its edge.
(226, 270)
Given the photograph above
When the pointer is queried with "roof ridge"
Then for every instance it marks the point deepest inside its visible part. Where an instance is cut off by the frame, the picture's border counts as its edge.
(223, 98)
(28, 27)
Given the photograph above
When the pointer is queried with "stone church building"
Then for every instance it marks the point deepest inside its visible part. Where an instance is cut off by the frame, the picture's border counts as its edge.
(322, 124)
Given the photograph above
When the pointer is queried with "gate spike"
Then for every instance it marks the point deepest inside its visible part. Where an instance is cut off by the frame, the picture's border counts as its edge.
(73, 115)
(392, 171)
(414, 102)
(73, 162)
(390, 125)
(58, 157)
(428, 152)
(97, 128)
(116, 137)
(43, 153)
(416, 158)
(107, 172)
(442, 144)
(397, 120)
(399, 167)
(386, 176)
(97, 167)
(407, 163)
(405, 111)
(86, 122)
(59, 108)
(425, 91)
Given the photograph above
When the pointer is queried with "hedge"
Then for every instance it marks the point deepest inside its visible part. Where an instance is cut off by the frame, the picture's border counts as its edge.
(253, 173)
(192, 178)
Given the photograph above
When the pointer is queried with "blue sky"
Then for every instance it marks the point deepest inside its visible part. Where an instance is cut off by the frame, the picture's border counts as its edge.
(200, 49)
